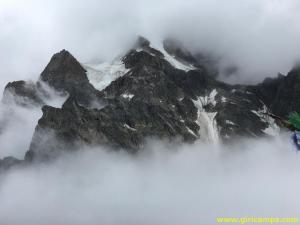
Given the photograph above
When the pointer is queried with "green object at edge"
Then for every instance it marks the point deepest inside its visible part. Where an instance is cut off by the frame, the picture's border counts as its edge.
(294, 119)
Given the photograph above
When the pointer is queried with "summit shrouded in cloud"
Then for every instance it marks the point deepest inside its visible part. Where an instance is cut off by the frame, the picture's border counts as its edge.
(258, 37)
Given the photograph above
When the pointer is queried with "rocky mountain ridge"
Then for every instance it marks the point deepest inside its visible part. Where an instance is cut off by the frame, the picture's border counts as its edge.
(160, 93)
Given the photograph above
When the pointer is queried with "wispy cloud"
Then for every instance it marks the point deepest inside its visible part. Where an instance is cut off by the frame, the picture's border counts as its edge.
(260, 37)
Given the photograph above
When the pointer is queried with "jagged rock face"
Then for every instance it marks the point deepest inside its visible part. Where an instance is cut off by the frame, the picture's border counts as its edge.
(121, 124)
(287, 97)
(267, 90)
(65, 73)
(239, 114)
(153, 99)
(281, 94)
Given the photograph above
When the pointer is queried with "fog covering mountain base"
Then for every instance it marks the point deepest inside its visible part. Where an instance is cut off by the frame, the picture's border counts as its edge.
(170, 183)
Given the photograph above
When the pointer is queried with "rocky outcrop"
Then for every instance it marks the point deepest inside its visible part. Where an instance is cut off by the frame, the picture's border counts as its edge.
(281, 94)
(267, 90)
(287, 96)
(64, 73)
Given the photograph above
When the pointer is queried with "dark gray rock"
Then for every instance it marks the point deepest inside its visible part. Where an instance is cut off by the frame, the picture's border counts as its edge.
(122, 124)
(281, 94)
(64, 73)
(287, 97)
(268, 89)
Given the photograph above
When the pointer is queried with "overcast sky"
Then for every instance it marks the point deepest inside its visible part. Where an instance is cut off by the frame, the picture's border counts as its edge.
(260, 36)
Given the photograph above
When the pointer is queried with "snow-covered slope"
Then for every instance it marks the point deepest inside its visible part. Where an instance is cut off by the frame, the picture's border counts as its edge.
(101, 75)
(172, 58)
(175, 62)
(273, 129)
(206, 120)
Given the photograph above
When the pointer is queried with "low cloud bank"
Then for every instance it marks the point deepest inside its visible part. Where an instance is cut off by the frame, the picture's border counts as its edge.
(166, 184)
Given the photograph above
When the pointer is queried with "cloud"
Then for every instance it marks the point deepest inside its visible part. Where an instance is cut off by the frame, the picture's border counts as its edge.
(166, 184)
(17, 127)
(260, 36)
(17, 123)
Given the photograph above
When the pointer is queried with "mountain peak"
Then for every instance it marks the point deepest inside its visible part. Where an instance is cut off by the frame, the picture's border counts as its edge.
(161, 93)
(142, 42)
(61, 63)
(65, 73)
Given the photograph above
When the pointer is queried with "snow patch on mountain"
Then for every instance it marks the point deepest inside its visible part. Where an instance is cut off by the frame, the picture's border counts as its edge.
(273, 129)
(172, 59)
(223, 100)
(230, 122)
(128, 96)
(101, 75)
(176, 63)
(129, 127)
(209, 99)
(206, 120)
(190, 131)
(208, 126)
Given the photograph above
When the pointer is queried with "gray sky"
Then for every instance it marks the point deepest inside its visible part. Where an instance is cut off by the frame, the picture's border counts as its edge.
(260, 36)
